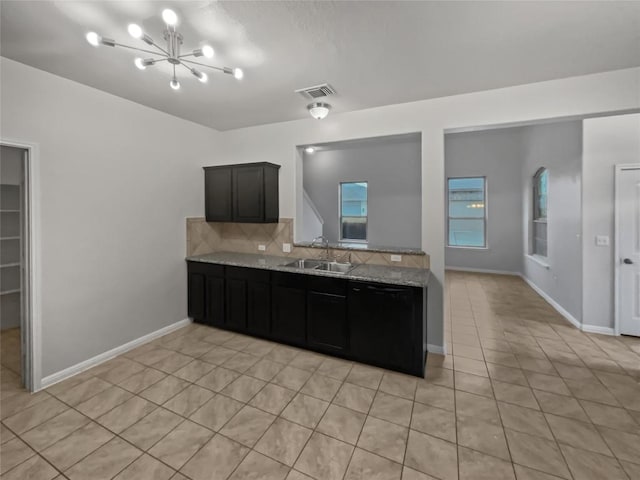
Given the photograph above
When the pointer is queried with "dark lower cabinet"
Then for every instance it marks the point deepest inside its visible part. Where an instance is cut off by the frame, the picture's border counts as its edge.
(197, 295)
(379, 324)
(327, 327)
(248, 300)
(327, 322)
(384, 324)
(206, 293)
(215, 314)
(259, 308)
(288, 307)
(236, 301)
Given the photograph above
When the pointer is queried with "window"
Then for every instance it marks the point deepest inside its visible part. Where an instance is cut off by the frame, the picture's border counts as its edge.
(353, 211)
(540, 201)
(467, 222)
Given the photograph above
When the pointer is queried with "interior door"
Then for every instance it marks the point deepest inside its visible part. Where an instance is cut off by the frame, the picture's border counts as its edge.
(628, 235)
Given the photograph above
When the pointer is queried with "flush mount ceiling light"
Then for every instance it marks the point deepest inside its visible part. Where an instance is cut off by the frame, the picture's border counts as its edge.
(309, 149)
(319, 110)
(169, 54)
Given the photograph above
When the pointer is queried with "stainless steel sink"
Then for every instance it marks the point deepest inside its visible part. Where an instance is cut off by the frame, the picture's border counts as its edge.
(336, 267)
(323, 265)
(305, 263)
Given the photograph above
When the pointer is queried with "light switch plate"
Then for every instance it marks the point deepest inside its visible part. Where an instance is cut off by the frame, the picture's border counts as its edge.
(396, 258)
(286, 247)
(262, 248)
(602, 240)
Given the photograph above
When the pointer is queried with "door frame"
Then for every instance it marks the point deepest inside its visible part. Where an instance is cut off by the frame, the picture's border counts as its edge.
(616, 249)
(32, 317)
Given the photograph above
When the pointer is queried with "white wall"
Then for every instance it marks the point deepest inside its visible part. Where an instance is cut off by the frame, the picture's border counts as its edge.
(117, 180)
(579, 96)
(608, 141)
(557, 147)
(391, 166)
(497, 155)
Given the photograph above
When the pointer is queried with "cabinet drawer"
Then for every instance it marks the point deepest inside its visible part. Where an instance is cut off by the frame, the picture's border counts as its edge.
(337, 286)
(243, 273)
(210, 269)
(293, 280)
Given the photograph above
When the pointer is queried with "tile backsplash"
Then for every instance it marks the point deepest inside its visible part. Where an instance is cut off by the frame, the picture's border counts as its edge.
(203, 237)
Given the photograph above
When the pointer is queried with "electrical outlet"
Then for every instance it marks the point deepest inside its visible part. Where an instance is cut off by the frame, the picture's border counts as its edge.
(286, 247)
(262, 248)
(396, 258)
(602, 240)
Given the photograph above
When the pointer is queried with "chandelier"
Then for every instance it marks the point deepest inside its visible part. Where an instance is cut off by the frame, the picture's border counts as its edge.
(170, 54)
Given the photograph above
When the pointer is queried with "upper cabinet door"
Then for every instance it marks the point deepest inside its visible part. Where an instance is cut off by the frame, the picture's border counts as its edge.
(248, 194)
(217, 185)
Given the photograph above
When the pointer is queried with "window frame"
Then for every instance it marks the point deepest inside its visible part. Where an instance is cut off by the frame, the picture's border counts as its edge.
(340, 217)
(485, 245)
(536, 218)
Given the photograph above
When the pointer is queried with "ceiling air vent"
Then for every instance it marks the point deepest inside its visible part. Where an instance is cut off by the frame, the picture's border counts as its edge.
(317, 91)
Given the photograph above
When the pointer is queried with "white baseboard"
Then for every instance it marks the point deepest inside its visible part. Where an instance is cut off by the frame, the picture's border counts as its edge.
(598, 329)
(437, 349)
(574, 321)
(103, 357)
(482, 270)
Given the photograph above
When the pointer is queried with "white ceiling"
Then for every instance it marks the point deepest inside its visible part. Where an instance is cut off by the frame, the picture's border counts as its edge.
(373, 53)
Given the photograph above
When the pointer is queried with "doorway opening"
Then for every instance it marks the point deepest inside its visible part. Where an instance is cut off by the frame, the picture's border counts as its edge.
(16, 266)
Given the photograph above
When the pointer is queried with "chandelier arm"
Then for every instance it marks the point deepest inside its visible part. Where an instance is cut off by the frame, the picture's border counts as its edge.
(136, 48)
(160, 48)
(202, 65)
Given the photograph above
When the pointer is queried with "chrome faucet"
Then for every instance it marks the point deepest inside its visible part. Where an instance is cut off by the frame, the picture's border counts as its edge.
(324, 242)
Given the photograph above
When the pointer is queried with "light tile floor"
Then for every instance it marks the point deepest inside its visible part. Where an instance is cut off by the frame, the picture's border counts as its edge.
(523, 395)
(10, 349)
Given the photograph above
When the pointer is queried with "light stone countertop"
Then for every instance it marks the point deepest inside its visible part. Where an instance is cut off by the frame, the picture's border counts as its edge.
(362, 247)
(412, 277)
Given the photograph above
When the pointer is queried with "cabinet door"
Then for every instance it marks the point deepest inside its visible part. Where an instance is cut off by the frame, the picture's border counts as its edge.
(259, 308)
(215, 300)
(236, 303)
(197, 295)
(289, 307)
(248, 194)
(327, 327)
(217, 193)
(381, 325)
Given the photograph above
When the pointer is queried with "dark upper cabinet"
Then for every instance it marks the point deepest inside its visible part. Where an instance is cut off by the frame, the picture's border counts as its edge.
(245, 193)
(217, 194)
(288, 307)
(382, 322)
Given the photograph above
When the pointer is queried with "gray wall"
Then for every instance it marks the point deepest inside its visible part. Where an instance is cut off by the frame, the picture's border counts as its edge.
(117, 181)
(496, 155)
(558, 147)
(391, 166)
(608, 141)
(509, 158)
